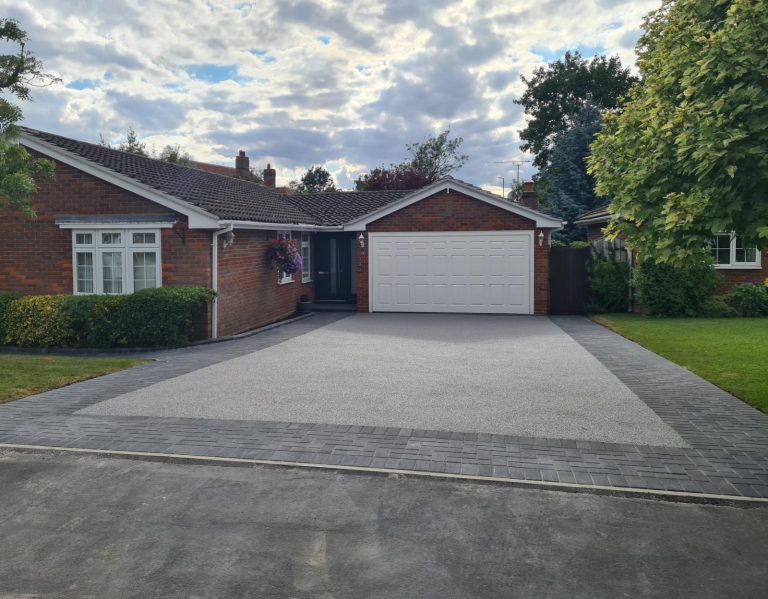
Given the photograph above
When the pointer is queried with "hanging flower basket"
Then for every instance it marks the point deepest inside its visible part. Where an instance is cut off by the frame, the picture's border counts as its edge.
(284, 256)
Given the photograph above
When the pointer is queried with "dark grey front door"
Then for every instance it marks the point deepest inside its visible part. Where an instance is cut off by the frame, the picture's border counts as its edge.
(333, 261)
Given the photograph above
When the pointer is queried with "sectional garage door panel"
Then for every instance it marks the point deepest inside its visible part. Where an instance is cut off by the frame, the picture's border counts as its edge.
(483, 272)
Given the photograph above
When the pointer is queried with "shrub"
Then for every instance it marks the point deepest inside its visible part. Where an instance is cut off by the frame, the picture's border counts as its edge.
(607, 284)
(157, 317)
(5, 301)
(749, 300)
(91, 319)
(147, 318)
(556, 243)
(37, 321)
(716, 307)
(667, 290)
(580, 244)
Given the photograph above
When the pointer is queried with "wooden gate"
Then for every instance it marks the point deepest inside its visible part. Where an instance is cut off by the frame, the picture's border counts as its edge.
(568, 280)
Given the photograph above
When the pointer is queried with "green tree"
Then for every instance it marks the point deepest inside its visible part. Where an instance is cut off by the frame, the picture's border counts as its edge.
(688, 155)
(19, 171)
(175, 155)
(132, 144)
(431, 159)
(566, 188)
(315, 180)
(555, 94)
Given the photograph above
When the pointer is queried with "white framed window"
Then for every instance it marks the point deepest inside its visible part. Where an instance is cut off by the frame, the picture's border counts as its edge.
(306, 258)
(115, 261)
(729, 252)
(284, 277)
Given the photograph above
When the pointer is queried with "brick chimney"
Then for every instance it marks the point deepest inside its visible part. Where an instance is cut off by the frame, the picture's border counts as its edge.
(529, 199)
(270, 176)
(242, 166)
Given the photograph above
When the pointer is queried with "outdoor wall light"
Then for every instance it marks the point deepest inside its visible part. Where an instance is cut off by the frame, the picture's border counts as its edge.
(361, 241)
(541, 238)
(229, 239)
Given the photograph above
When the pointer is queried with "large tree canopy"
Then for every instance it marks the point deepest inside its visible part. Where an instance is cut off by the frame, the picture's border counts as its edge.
(556, 93)
(431, 159)
(315, 180)
(688, 155)
(18, 71)
(566, 188)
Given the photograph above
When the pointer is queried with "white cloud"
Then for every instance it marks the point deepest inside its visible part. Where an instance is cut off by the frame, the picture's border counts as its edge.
(305, 82)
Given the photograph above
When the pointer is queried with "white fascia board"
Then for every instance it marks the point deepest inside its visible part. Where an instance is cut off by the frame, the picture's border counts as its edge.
(198, 218)
(248, 224)
(542, 220)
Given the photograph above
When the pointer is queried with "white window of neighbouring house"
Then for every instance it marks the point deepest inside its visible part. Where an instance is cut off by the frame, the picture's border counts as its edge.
(729, 252)
(306, 264)
(283, 277)
(113, 262)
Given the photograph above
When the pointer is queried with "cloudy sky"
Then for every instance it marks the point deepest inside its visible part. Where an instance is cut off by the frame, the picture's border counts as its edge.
(345, 84)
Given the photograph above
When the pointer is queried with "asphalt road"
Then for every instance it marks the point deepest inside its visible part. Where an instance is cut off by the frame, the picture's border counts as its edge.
(82, 526)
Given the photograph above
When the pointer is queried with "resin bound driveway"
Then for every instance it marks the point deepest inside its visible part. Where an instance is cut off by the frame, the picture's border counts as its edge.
(557, 400)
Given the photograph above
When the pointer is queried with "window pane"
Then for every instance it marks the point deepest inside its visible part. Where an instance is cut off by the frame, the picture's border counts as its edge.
(144, 270)
(745, 254)
(305, 266)
(84, 272)
(111, 238)
(143, 238)
(112, 270)
(721, 249)
(83, 238)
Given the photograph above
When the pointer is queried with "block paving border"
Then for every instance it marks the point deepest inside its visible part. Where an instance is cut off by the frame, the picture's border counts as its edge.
(728, 453)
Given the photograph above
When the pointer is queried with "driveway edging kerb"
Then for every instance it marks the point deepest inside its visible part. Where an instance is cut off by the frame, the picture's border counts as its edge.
(629, 492)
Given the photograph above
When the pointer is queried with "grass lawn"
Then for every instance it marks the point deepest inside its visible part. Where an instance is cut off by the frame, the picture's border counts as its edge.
(731, 353)
(25, 375)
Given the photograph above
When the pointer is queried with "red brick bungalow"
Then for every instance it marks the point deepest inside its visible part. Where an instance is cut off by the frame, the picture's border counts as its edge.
(112, 222)
(736, 263)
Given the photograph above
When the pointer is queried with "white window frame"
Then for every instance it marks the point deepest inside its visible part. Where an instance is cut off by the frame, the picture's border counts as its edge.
(127, 248)
(732, 264)
(306, 268)
(282, 277)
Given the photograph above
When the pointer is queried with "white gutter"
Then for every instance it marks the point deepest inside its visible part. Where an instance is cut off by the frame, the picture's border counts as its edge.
(215, 278)
(249, 224)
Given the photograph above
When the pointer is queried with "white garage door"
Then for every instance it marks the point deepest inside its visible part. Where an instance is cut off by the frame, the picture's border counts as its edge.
(479, 272)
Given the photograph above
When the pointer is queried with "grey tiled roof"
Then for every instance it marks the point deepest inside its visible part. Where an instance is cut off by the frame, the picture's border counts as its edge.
(340, 207)
(225, 197)
(597, 213)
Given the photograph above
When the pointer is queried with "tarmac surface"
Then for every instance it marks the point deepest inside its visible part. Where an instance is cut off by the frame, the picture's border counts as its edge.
(84, 526)
(519, 376)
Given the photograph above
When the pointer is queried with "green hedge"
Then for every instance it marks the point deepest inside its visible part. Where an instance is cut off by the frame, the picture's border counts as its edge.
(748, 299)
(676, 291)
(5, 301)
(607, 284)
(147, 318)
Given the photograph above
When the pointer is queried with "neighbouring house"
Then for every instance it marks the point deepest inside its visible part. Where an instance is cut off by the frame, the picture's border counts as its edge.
(112, 222)
(736, 263)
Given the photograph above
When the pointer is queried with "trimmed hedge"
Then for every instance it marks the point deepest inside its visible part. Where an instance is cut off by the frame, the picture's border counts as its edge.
(676, 291)
(748, 299)
(148, 318)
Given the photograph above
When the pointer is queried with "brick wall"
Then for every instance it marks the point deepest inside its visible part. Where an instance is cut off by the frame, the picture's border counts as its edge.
(732, 276)
(37, 255)
(458, 212)
(249, 294)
